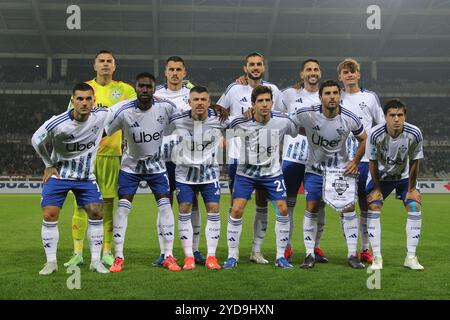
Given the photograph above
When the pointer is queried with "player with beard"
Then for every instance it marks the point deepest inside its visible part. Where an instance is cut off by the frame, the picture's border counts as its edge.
(237, 98)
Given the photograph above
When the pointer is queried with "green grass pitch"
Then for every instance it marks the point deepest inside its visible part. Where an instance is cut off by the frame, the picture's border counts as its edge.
(22, 256)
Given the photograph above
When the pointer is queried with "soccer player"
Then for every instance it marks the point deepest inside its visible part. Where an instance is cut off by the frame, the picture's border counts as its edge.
(143, 121)
(327, 127)
(75, 136)
(176, 91)
(107, 164)
(295, 150)
(366, 105)
(395, 151)
(260, 168)
(197, 170)
(237, 98)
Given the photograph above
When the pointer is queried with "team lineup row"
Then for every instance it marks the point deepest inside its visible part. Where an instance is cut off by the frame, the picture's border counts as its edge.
(321, 128)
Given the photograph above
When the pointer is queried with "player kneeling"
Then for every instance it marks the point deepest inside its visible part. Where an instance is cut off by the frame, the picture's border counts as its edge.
(395, 150)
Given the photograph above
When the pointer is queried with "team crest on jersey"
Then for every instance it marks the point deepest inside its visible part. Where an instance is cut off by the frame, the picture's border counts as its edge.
(340, 185)
(340, 131)
(362, 105)
(95, 129)
(160, 119)
(185, 99)
(402, 149)
(116, 94)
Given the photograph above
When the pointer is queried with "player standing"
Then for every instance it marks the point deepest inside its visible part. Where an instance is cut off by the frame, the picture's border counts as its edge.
(327, 127)
(259, 168)
(395, 151)
(143, 121)
(176, 91)
(237, 98)
(295, 150)
(107, 164)
(366, 105)
(197, 171)
(75, 136)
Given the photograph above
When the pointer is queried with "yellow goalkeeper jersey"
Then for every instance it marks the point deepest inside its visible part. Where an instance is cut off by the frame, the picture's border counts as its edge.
(107, 96)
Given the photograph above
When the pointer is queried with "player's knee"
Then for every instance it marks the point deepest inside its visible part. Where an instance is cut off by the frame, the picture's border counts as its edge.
(185, 207)
(212, 207)
(375, 207)
(95, 211)
(237, 212)
(51, 213)
(283, 210)
(313, 206)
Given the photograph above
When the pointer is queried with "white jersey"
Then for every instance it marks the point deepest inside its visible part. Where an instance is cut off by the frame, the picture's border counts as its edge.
(366, 105)
(238, 99)
(75, 144)
(196, 154)
(327, 137)
(261, 144)
(296, 149)
(143, 131)
(181, 100)
(393, 154)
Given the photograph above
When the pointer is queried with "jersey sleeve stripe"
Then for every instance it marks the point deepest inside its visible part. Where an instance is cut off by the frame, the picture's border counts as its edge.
(415, 129)
(55, 123)
(179, 116)
(229, 87)
(123, 108)
(351, 115)
(237, 121)
(414, 132)
(56, 119)
(307, 109)
(375, 134)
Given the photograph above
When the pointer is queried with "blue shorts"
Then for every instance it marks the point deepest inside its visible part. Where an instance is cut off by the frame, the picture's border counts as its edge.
(210, 192)
(274, 187)
(54, 192)
(400, 186)
(170, 168)
(313, 186)
(363, 170)
(232, 168)
(129, 182)
(293, 174)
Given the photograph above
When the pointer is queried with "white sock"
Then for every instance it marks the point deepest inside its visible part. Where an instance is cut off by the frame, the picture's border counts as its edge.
(281, 234)
(196, 220)
(374, 231)
(185, 232)
(259, 228)
(120, 226)
(320, 223)
(413, 228)
(212, 232)
(350, 225)
(291, 201)
(365, 245)
(234, 230)
(167, 225)
(160, 235)
(50, 237)
(309, 231)
(95, 234)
